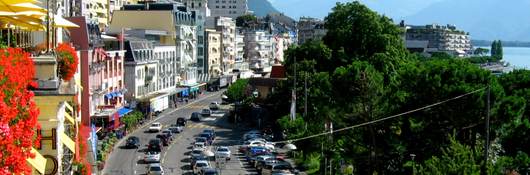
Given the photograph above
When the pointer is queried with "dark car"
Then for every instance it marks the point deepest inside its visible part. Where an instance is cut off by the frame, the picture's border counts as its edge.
(202, 139)
(210, 131)
(208, 136)
(206, 112)
(164, 138)
(155, 145)
(195, 117)
(181, 121)
(209, 171)
(132, 142)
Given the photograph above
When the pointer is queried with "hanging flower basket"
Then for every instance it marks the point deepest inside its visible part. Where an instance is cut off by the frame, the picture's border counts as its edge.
(68, 61)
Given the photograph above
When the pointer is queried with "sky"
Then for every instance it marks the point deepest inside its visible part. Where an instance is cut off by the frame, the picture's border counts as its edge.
(397, 9)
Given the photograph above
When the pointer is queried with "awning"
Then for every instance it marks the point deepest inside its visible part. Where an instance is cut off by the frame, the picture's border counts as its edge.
(109, 96)
(59, 21)
(124, 111)
(67, 141)
(38, 162)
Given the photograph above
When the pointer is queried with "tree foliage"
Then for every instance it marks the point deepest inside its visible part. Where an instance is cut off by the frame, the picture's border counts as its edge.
(496, 49)
(246, 21)
(238, 91)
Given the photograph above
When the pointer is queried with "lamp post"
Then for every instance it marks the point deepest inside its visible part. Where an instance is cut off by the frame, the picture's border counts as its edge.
(413, 164)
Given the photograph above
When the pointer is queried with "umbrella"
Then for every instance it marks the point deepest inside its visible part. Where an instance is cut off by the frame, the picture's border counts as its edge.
(21, 7)
(290, 147)
(61, 22)
(18, 1)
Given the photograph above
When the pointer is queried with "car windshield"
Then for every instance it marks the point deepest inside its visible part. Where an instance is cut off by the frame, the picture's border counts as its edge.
(196, 152)
(155, 124)
(222, 150)
(204, 135)
(201, 164)
(282, 167)
(210, 173)
(200, 139)
(155, 168)
(154, 141)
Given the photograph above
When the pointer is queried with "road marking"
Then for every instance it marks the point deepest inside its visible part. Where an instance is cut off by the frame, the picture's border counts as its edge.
(165, 115)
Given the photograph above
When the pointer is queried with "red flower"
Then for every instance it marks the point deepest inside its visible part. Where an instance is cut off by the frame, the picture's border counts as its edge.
(68, 61)
(18, 112)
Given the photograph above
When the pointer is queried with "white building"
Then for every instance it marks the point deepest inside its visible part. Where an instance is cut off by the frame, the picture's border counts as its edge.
(259, 50)
(310, 29)
(200, 7)
(228, 8)
(227, 27)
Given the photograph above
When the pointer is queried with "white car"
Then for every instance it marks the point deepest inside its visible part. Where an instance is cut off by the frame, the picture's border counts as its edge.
(267, 145)
(199, 145)
(199, 165)
(197, 152)
(155, 169)
(152, 156)
(155, 127)
(214, 105)
(223, 152)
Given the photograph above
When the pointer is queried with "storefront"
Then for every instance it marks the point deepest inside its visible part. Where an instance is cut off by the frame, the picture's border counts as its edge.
(193, 90)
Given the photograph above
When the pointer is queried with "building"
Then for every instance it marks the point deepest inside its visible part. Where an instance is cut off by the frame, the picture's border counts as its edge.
(213, 55)
(310, 29)
(227, 27)
(259, 50)
(440, 39)
(57, 101)
(281, 42)
(240, 63)
(228, 8)
(201, 10)
(95, 11)
(175, 26)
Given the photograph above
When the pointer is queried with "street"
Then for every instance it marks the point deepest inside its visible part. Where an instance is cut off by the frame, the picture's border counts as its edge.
(175, 157)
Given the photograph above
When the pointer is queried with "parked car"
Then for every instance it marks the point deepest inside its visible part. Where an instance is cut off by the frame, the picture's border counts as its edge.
(175, 129)
(209, 137)
(132, 142)
(155, 169)
(197, 152)
(155, 145)
(211, 131)
(168, 133)
(181, 121)
(164, 139)
(201, 139)
(199, 145)
(196, 117)
(199, 165)
(197, 158)
(206, 112)
(155, 127)
(152, 156)
(282, 166)
(209, 171)
(223, 152)
(214, 105)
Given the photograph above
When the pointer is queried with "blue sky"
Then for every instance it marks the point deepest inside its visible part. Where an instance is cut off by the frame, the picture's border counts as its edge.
(397, 9)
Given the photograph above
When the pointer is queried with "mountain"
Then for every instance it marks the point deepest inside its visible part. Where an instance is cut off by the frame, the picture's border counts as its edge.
(261, 7)
(483, 19)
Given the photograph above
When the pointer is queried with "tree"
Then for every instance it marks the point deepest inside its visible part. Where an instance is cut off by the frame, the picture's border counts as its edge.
(18, 121)
(246, 21)
(496, 49)
(238, 90)
(358, 33)
(481, 51)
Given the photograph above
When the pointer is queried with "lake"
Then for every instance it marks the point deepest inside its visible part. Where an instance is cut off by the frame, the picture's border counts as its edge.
(518, 57)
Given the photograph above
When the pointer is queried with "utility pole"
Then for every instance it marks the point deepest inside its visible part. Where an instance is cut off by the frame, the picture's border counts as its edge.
(487, 144)
(305, 94)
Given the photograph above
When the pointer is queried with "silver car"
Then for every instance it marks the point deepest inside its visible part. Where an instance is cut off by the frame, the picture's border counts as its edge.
(152, 156)
(222, 152)
(155, 169)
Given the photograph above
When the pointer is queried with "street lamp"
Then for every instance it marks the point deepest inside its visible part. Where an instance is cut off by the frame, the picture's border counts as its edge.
(413, 163)
(255, 93)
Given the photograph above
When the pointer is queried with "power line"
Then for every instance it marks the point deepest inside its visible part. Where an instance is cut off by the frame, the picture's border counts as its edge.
(385, 118)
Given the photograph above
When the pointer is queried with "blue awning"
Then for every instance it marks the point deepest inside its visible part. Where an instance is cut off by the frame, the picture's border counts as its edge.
(108, 96)
(124, 111)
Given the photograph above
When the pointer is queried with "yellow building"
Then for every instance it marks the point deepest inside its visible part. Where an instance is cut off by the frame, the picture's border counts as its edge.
(58, 116)
(213, 53)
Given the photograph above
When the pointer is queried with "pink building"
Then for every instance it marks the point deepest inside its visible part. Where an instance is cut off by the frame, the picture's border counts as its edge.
(101, 77)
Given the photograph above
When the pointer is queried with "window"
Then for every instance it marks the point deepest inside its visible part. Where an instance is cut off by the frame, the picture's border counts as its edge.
(192, 5)
(200, 5)
(223, 7)
(201, 39)
(234, 6)
(200, 52)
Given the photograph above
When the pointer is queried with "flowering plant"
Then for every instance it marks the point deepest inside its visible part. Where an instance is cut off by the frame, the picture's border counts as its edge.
(18, 112)
(68, 61)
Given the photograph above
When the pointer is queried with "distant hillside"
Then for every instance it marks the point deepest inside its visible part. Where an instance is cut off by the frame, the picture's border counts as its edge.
(485, 43)
(483, 19)
(261, 7)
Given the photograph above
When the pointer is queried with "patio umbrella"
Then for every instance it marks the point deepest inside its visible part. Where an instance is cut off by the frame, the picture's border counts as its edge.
(18, 1)
(59, 21)
(21, 7)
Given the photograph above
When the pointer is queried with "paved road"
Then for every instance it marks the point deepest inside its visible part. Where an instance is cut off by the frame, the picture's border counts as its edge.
(175, 158)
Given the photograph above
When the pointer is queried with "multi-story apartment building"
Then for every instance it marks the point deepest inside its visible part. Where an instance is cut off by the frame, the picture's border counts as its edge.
(201, 10)
(228, 8)
(440, 38)
(95, 11)
(213, 45)
(259, 50)
(175, 26)
(310, 29)
(227, 27)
